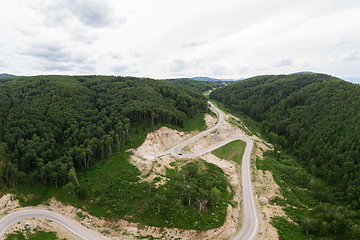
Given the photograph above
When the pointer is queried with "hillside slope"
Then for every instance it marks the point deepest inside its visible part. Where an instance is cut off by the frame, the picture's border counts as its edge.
(314, 115)
(314, 118)
(50, 124)
(201, 86)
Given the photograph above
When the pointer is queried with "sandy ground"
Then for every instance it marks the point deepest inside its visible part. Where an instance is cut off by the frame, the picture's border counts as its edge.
(264, 185)
(265, 188)
(160, 141)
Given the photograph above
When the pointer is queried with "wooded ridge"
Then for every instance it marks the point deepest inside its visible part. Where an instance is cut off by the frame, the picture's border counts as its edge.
(316, 118)
(52, 125)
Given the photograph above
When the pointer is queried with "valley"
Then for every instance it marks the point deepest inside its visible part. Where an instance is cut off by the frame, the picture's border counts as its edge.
(150, 169)
(162, 136)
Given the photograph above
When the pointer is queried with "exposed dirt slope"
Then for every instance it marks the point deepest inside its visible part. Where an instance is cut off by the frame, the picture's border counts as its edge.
(160, 141)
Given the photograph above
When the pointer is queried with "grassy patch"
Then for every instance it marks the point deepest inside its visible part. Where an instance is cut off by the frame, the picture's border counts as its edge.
(197, 123)
(113, 191)
(299, 188)
(287, 230)
(194, 197)
(30, 195)
(37, 235)
(232, 151)
(177, 203)
(303, 199)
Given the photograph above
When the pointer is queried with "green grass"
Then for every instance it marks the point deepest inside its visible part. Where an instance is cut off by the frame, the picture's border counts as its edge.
(299, 188)
(110, 189)
(288, 230)
(197, 123)
(301, 192)
(37, 235)
(205, 176)
(30, 195)
(114, 193)
(232, 151)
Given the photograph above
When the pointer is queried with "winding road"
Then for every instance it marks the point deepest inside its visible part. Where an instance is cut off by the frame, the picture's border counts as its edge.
(74, 227)
(250, 224)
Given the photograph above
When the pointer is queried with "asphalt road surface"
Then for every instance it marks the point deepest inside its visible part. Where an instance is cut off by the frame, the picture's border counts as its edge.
(71, 226)
(250, 223)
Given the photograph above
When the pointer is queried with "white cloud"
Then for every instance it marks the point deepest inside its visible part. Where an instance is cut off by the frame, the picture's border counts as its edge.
(4, 63)
(242, 69)
(54, 52)
(180, 65)
(194, 43)
(218, 70)
(162, 38)
(84, 36)
(116, 56)
(286, 62)
(351, 56)
(91, 13)
(260, 69)
(119, 69)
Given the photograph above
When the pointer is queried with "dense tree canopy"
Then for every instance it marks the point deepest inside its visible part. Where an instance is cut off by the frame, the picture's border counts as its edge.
(52, 125)
(198, 85)
(314, 115)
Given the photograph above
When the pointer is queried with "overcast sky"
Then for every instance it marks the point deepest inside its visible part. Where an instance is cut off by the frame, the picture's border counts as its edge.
(173, 38)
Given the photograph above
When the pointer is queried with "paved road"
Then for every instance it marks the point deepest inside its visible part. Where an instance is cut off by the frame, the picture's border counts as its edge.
(175, 151)
(250, 223)
(72, 226)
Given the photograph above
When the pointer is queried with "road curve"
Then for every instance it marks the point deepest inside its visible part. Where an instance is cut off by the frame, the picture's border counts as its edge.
(75, 228)
(175, 150)
(250, 223)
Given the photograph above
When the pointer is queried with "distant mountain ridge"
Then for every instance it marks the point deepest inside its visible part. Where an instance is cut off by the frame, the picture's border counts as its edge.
(215, 79)
(6, 75)
(352, 79)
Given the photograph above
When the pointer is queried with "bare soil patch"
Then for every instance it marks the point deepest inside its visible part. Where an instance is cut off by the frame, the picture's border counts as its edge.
(265, 188)
(216, 138)
(159, 141)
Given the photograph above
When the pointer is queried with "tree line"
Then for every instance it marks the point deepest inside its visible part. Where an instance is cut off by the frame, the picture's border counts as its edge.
(198, 188)
(51, 126)
(202, 86)
(316, 118)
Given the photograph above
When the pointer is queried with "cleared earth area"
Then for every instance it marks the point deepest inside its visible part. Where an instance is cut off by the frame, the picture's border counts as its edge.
(159, 141)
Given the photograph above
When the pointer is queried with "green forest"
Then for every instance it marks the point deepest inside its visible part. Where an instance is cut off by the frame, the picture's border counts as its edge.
(67, 136)
(201, 86)
(315, 118)
(52, 126)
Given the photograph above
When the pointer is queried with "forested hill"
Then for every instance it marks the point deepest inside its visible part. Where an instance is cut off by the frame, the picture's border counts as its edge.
(315, 116)
(50, 124)
(202, 86)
